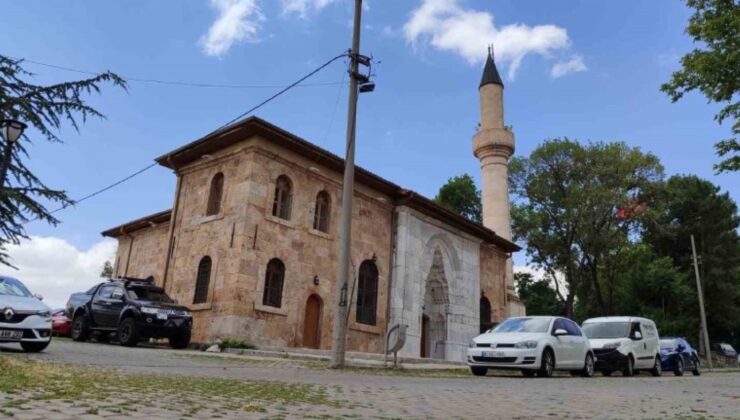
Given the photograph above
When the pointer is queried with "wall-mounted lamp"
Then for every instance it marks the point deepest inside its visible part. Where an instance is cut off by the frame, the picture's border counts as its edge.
(343, 295)
(316, 280)
(375, 258)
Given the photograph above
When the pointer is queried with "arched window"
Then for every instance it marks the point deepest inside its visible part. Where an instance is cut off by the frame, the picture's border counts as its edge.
(274, 276)
(215, 195)
(283, 198)
(485, 314)
(321, 212)
(367, 293)
(203, 280)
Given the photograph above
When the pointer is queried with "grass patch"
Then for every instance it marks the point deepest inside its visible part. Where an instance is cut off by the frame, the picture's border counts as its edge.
(36, 380)
(234, 343)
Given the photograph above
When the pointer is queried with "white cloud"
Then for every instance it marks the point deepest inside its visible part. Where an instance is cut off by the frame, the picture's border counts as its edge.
(55, 269)
(303, 7)
(449, 27)
(574, 65)
(238, 21)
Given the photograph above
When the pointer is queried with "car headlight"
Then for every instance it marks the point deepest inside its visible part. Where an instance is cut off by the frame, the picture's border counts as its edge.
(612, 346)
(472, 344)
(531, 344)
(149, 310)
(44, 314)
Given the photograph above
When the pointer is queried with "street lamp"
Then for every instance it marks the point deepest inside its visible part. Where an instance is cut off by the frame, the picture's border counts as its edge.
(11, 130)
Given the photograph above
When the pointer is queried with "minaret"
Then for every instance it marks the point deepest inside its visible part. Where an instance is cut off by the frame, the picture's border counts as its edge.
(493, 145)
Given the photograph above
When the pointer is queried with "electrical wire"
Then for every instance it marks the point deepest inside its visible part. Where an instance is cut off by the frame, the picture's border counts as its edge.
(285, 89)
(100, 191)
(242, 115)
(175, 82)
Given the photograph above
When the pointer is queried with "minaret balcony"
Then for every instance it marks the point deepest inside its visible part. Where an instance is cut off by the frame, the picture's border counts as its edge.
(493, 142)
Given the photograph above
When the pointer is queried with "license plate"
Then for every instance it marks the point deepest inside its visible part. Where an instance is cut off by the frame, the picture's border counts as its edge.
(161, 315)
(11, 334)
(493, 354)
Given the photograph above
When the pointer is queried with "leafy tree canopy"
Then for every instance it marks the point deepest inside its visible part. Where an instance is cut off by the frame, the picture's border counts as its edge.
(574, 203)
(461, 195)
(539, 298)
(714, 68)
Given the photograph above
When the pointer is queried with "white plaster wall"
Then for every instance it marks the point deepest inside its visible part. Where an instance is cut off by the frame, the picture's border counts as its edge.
(417, 237)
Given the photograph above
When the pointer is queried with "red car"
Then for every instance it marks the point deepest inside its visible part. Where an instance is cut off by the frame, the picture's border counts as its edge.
(60, 324)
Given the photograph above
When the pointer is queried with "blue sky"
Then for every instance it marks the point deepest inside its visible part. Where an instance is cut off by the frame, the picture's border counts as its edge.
(415, 129)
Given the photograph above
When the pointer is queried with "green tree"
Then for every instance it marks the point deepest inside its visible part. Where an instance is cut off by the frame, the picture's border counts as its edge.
(107, 272)
(714, 68)
(574, 204)
(538, 296)
(45, 109)
(691, 205)
(460, 195)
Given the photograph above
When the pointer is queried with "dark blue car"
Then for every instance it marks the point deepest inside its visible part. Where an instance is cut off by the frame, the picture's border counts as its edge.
(677, 355)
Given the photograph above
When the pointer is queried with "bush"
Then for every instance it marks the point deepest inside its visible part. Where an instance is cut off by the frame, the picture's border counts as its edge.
(234, 343)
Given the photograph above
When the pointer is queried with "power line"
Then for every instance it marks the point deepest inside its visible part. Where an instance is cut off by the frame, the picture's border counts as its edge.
(254, 108)
(100, 191)
(175, 82)
(285, 89)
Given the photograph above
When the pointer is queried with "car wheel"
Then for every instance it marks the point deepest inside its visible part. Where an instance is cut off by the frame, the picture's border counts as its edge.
(629, 367)
(180, 341)
(34, 347)
(657, 369)
(697, 368)
(128, 335)
(588, 366)
(479, 371)
(678, 370)
(80, 330)
(547, 366)
(528, 373)
(606, 372)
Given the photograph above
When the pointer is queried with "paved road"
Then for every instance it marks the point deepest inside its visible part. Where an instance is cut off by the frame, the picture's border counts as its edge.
(710, 395)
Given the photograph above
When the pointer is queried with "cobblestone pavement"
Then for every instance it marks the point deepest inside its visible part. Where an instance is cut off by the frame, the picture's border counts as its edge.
(367, 394)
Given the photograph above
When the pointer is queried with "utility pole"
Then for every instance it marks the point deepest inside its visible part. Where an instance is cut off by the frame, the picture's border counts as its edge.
(339, 332)
(699, 293)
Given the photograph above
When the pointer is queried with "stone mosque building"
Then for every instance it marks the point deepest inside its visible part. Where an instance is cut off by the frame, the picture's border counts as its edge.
(251, 243)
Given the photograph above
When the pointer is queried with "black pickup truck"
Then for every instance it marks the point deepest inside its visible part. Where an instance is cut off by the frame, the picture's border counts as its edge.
(133, 309)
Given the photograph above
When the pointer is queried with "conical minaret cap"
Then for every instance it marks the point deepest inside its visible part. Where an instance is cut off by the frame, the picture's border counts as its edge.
(490, 72)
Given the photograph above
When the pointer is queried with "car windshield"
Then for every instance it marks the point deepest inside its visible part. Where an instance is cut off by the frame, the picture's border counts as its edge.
(526, 325)
(727, 347)
(13, 287)
(152, 294)
(606, 329)
(668, 344)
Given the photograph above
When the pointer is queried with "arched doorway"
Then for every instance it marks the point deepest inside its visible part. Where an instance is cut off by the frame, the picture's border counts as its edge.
(434, 315)
(312, 322)
(424, 336)
(485, 314)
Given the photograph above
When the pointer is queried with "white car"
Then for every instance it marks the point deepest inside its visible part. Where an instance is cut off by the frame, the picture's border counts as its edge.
(534, 345)
(623, 343)
(24, 318)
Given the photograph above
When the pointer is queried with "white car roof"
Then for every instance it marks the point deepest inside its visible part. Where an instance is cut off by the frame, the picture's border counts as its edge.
(618, 319)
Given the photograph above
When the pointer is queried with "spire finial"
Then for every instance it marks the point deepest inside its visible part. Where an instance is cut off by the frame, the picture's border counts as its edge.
(490, 73)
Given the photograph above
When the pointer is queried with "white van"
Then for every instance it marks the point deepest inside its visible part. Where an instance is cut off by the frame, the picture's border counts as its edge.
(624, 343)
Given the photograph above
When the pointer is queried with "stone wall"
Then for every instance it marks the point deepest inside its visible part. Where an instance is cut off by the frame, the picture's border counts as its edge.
(148, 249)
(244, 236)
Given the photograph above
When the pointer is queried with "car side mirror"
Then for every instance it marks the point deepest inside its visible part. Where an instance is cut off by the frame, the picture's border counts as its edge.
(38, 296)
(637, 335)
(680, 348)
(560, 332)
(117, 295)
